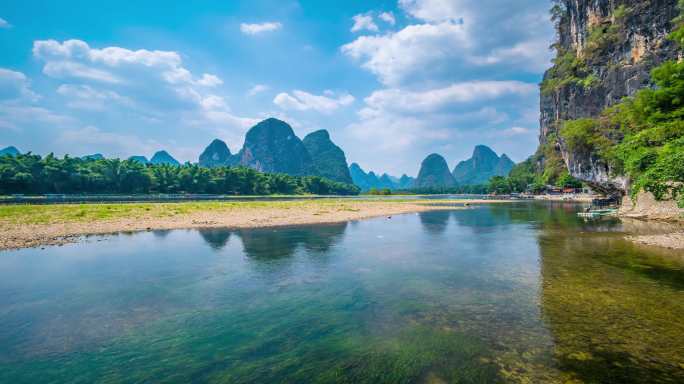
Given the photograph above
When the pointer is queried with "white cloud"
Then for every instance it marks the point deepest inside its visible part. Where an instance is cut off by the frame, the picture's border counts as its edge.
(364, 22)
(433, 100)
(304, 101)
(91, 139)
(532, 54)
(15, 116)
(436, 10)
(140, 88)
(454, 38)
(209, 80)
(257, 89)
(86, 97)
(517, 131)
(395, 56)
(255, 29)
(76, 59)
(4, 24)
(15, 85)
(388, 17)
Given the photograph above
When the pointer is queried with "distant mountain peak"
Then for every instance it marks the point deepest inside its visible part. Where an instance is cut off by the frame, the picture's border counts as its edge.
(272, 146)
(217, 154)
(482, 166)
(434, 173)
(139, 159)
(94, 156)
(329, 160)
(163, 157)
(322, 133)
(10, 151)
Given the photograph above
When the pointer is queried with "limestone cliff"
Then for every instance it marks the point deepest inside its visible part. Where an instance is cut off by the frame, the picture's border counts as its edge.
(605, 51)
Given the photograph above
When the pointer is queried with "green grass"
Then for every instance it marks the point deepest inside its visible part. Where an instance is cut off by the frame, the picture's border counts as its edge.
(90, 212)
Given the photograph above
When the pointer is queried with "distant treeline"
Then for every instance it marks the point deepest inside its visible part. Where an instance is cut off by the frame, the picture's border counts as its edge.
(33, 174)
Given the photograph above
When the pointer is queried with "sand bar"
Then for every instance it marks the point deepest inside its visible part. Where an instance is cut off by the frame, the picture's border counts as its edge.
(24, 226)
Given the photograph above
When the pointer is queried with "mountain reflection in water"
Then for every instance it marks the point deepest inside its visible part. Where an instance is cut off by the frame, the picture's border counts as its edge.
(500, 293)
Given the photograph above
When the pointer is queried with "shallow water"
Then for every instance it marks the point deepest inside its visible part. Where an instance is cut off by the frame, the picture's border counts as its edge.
(523, 293)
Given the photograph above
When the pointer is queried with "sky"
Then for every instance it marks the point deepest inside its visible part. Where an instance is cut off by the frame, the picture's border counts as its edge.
(392, 81)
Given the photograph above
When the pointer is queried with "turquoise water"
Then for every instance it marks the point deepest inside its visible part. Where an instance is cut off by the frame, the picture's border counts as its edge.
(521, 293)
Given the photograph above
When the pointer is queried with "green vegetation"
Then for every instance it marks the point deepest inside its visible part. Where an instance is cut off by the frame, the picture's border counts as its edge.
(90, 213)
(641, 137)
(32, 174)
(380, 192)
(567, 69)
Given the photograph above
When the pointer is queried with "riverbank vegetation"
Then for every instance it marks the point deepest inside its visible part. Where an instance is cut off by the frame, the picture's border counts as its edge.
(33, 174)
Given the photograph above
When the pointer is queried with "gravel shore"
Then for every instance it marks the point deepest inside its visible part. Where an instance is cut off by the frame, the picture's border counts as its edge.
(41, 225)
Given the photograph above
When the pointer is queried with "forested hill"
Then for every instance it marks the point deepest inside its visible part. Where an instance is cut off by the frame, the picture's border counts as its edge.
(33, 174)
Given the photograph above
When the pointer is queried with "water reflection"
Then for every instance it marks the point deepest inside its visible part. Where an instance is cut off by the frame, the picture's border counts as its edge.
(507, 293)
(280, 243)
(435, 222)
(217, 238)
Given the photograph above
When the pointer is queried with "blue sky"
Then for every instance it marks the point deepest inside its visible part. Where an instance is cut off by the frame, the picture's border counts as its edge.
(391, 80)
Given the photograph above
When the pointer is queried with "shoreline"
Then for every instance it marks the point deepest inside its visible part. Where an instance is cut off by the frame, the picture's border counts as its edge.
(30, 226)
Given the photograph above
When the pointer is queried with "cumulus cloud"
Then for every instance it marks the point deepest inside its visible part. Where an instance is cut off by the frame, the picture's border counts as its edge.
(388, 17)
(4, 24)
(447, 38)
(433, 100)
(15, 85)
(156, 84)
(86, 97)
(364, 23)
(396, 56)
(517, 131)
(304, 101)
(116, 65)
(255, 90)
(451, 78)
(258, 28)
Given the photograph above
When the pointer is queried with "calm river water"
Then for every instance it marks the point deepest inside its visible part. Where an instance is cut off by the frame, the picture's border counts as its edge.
(518, 293)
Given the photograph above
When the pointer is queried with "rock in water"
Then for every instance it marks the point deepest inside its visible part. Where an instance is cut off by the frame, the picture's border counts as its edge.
(163, 157)
(216, 154)
(482, 166)
(9, 151)
(434, 173)
(328, 159)
(272, 146)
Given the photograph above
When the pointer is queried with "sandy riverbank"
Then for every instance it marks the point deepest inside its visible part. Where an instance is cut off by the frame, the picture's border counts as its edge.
(24, 226)
(664, 216)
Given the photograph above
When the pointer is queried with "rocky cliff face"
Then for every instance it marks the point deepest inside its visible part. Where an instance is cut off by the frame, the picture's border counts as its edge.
(272, 146)
(434, 173)
(329, 159)
(605, 51)
(482, 166)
